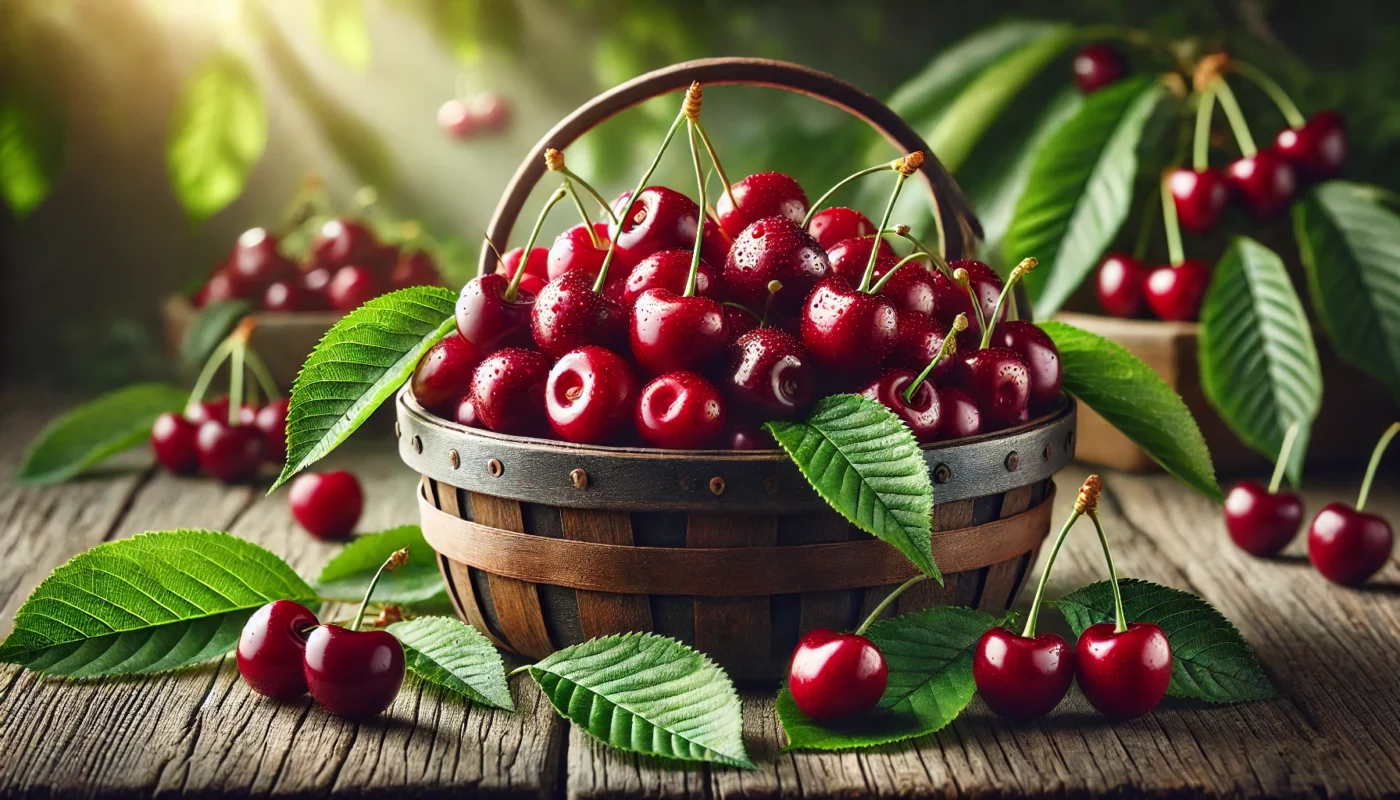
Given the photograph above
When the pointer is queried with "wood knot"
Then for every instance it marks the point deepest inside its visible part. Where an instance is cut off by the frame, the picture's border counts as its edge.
(495, 468)
(717, 486)
(579, 479)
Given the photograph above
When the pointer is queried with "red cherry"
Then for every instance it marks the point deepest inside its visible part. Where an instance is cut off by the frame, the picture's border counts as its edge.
(272, 649)
(590, 393)
(508, 391)
(231, 453)
(1318, 149)
(221, 288)
(314, 283)
(1121, 281)
(414, 269)
(848, 257)
(271, 422)
(1348, 546)
(456, 119)
(832, 225)
(999, 381)
(1021, 677)
(774, 249)
(680, 411)
(173, 440)
(835, 676)
(444, 374)
(744, 437)
(1040, 355)
(670, 333)
(847, 330)
(1264, 183)
(568, 314)
(537, 265)
(768, 375)
(466, 413)
(353, 674)
(1124, 675)
(206, 410)
(1262, 523)
(766, 194)
(920, 339)
(487, 320)
(529, 282)
(923, 414)
(573, 250)
(668, 269)
(326, 504)
(952, 299)
(352, 287)
(283, 296)
(1175, 293)
(910, 289)
(1199, 197)
(1096, 66)
(661, 219)
(961, 417)
(343, 243)
(256, 262)
(490, 111)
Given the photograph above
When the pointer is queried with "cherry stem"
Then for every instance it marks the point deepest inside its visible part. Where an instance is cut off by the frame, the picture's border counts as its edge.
(692, 128)
(583, 212)
(1026, 265)
(880, 236)
(588, 187)
(812, 212)
(1236, 117)
(887, 602)
(719, 168)
(1205, 106)
(745, 309)
(235, 380)
(1289, 437)
(972, 296)
(260, 371)
(206, 375)
(632, 199)
(1285, 104)
(1375, 463)
(530, 243)
(393, 562)
(936, 258)
(1144, 236)
(945, 350)
(884, 279)
(773, 288)
(1029, 631)
(518, 670)
(1176, 252)
(1121, 625)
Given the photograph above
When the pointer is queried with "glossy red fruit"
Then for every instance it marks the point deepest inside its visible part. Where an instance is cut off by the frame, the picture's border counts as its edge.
(573, 250)
(352, 287)
(1264, 183)
(272, 649)
(835, 676)
(848, 331)
(923, 414)
(769, 376)
(670, 333)
(207, 410)
(952, 299)
(961, 417)
(1000, 383)
(342, 243)
(910, 289)
(414, 268)
(173, 440)
(1096, 66)
(774, 249)
(444, 374)
(589, 395)
(256, 261)
(1348, 546)
(353, 674)
(1261, 523)
(487, 320)
(680, 411)
(326, 504)
(765, 194)
(1318, 149)
(314, 284)
(1175, 293)
(1021, 677)
(456, 120)
(568, 314)
(1121, 284)
(1042, 359)
(1200, 197)
(490, 111)
(661, 219)
(283, 296)
(920, 339)
(466, 413)
(536, 266)
(231, 453)
(745, 436)
(832, 225)
(848, 257)
(668, 269)
(507, 391)
(271, 422)
(1124, 675)
(221, 288)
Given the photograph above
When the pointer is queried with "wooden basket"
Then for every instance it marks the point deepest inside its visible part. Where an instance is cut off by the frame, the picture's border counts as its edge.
(544, 544)
(284, 339)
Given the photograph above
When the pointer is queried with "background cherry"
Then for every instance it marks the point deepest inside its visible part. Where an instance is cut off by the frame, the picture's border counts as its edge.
(1040, 355)
(1022, 677)
(487, 320)
(414, 268)
(765, 194)
(1261, 522)
(456, 119)
(314, 283)
(342, 243)
(271, 422)
(769, 376)
(847, 330)
(353, 674)
(173, 441)
(283, 296)
(680, 411)
(1200, 197)
(1124, 675)
(444, 374)
(1096, 66)
(1175, 293)
(508, 391)
(774, 249)
(1264, 182)
(589, 394)
(272, 649)
(1121, 284)
(832, 225)
(231, 453)
(352, 287)
(1318, 149)
(256, 262)
(835, 676)
(326, 504)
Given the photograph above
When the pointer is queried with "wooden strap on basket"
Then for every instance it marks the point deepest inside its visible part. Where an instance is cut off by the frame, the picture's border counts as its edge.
(722, 571)
(960, 225)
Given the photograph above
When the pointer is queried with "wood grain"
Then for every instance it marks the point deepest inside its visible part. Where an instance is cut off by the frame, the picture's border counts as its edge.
(603, 613)
(517, 603)
(737, 632)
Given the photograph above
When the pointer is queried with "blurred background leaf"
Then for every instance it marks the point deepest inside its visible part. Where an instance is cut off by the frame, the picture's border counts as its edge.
(219, 134)
(341, 24)
(31, 150)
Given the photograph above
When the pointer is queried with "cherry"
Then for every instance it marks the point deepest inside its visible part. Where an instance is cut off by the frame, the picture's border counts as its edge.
(271, 421)
(352, 287)
(952, 299)
(961, 417)
(205, 410)
(774, 249)
(590, 393)
(314, 283)
(680, 411)
(1199, 196)
(1264, 182)
(740, 321)
(456, 119)
(231, 453)
(1262, 522)
(765, 194)
(768, 375)
(847, 330)
(923, 413)
(173, 440)
(848, 257)
(1318, 149)
(466, 413)
(910, 288)
(1040, 355)
(283, 295)
(414, 269)
(744, 437)
(1096, 66)
(670, 332)
(668, 269)
(1121, 282)
(353, 674)
(999, 381)
(508, 391)
(220, 288)
(660, 219)
(536, 268)
(574, 249)
(1123, 674)
(256, 262)
(1175, 293)
(343, 243)
(832, 225)
(444, 374)
(835, 676)
(487, 319)
(272, 649)
(568, 314)
(1022, 677)
(327, 504)
(1345, 544)
(920, 339)
(490, 111)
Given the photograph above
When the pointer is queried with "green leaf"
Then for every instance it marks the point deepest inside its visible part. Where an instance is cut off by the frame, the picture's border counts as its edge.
(31, 151)
(341, 23)
(346, 576)
(929, 655)
(449, 653)
(151, 603)
(96, 431)
(1349, 239)
(865, 464)
(208, 328)
(1079, 190)
(220, 132)
(360, 361)
(647, 694)
(1259, 366)
(1210, 659)
(1136, 401)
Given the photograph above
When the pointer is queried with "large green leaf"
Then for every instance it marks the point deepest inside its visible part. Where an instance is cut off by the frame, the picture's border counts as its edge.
(1210, 659)
(865, 464)
(1259, 366)
(154, 602)
(929, 656)
(346, 576)
(1136, 401)
(647, 694)
(449, 653)
(1349, 238)
(96, 431)
(360, 361)
(341, 24)
(31, 150)
(220, 132)
(1079, 190)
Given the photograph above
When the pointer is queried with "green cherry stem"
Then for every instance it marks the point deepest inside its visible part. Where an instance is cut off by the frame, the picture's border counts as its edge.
(206, 375)
(518, 670)
(1121, 625)
(884, 279)
(1205, 106)
(1175, 250)
(1285, 104)
(1026, 265)
(908, 165)
(549, 204)
(1221, 87)
(719, 168)
(1289, 437)
(1089, 490)
(235, 382)
(946, 350)
(1375, 464)
(962, 278)
(264, 376)
(583, 213)
(888, 601)
(821, 201)
(937, 258)
(692, 128)
(395, 560)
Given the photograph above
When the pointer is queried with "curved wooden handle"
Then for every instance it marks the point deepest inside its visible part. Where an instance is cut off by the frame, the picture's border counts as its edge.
(960, 225)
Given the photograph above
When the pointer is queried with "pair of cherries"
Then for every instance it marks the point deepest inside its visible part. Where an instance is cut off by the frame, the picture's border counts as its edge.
(1126, 288)
(202, 438)
(486, 114)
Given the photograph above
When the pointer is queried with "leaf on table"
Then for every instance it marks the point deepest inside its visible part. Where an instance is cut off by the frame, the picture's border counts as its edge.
(1259, 366)
(31, 151)
(151, 603)
(1135, 400)
(96, 431)
(865, 464)
(451, 654)
(210, 325)
(341, 24)
(1211, 661)
(220, 133)
(417, 583)
(647, 694)
(357, 365)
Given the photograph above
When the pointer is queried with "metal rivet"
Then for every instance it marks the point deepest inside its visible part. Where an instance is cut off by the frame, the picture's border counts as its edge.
(398, 432)
(454, 459)
(579, 479)
(942, 474)
(495, 468)
(1049, 451)
(717, 485)
(770, 485)
(1012, 461)
(417, 445)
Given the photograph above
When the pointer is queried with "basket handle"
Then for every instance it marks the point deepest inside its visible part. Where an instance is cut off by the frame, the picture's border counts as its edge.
(960, 225)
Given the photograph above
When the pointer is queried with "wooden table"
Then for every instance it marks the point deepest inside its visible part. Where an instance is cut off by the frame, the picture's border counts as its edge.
(1334, 654)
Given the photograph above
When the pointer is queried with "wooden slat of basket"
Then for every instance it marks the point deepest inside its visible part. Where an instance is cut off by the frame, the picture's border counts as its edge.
(737, 631)
(604, 613)
(1004, 578)
(946, 517)
(517, 602)
(457, 574)
(831, 610)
